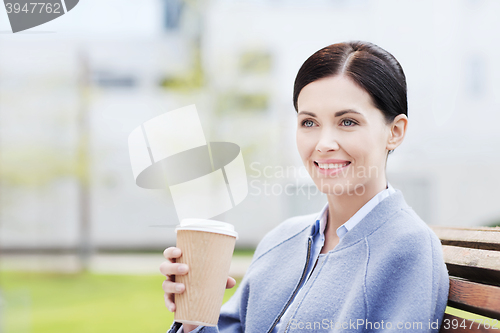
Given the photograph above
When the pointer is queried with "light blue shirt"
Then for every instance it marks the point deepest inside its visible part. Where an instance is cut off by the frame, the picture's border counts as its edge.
(319, 235)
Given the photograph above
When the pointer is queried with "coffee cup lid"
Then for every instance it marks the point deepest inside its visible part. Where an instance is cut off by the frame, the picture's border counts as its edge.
(207, 226)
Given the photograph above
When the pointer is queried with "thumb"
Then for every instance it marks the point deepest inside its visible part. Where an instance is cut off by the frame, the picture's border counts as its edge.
(230, 282)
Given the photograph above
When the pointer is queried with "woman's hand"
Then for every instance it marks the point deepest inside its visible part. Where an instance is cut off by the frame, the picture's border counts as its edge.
(170, 268)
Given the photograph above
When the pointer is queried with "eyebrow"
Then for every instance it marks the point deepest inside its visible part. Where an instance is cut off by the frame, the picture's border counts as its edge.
(337, 114)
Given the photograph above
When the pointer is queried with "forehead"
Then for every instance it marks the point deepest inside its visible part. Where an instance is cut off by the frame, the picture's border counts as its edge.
(334, 94)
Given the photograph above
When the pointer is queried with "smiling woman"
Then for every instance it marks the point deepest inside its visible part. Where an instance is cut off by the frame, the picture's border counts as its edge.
(357, 140)
(366, 262)
(343, 140)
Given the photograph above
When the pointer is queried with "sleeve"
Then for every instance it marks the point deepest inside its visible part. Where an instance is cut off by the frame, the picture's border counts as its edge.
(229, 319)
(178, 328)
(407, 286)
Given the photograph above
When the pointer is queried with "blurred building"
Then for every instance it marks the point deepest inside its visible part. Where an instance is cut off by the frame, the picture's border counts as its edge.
(101, 73)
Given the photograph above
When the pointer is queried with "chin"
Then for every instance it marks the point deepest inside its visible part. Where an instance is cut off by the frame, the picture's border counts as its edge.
(340, 187)
(332, 186)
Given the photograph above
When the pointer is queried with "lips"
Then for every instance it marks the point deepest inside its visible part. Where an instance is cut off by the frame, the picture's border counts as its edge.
(330, 163)
(331, 166)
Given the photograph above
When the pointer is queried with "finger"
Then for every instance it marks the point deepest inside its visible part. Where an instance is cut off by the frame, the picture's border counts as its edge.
(172, 252)
(172, 287)
(170, 268)
(169, 303)
(230, 282)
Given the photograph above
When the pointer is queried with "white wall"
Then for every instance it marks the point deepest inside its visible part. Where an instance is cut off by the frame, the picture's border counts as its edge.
(447, 166)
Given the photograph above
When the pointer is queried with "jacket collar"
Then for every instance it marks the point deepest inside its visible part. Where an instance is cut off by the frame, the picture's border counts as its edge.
(372, 221)
(379, 215)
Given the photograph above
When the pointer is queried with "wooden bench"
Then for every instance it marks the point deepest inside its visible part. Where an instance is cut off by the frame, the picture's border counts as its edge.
(472, 256)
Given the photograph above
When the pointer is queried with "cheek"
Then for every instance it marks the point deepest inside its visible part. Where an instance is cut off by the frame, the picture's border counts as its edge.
(371, 148)
(305, 145)
(360, 147)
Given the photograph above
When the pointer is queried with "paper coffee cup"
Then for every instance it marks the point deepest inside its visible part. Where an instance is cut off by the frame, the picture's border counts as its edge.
(207, 248)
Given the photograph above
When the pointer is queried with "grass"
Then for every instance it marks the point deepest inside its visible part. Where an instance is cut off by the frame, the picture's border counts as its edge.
(91, 303)
(245, 252)
(495, 325)
(84, 303)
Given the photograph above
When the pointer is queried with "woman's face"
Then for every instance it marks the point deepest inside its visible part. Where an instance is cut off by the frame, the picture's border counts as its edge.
(341, 137)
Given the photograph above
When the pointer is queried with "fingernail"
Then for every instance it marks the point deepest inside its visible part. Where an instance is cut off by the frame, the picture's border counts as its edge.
(176, 252)
(171, 308)
(183, 268)
(179, 287)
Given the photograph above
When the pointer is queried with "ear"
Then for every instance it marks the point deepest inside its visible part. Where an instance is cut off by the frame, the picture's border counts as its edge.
(397, 131)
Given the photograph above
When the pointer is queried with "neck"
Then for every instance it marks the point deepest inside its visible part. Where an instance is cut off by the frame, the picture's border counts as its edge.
(342, 207)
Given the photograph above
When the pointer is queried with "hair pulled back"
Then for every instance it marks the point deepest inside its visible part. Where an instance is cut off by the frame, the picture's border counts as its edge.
(370, 67)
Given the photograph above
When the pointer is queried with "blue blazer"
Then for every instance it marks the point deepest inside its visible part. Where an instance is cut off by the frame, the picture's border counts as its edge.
(386, 274)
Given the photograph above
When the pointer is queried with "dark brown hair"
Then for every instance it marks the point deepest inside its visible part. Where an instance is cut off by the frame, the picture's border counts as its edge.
(372, 68)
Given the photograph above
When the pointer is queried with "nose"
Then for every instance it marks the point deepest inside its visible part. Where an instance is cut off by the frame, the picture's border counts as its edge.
(327, 142)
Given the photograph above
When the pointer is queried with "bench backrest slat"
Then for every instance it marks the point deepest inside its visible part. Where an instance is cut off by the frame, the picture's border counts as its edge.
(473, 264)
(472, 256)
(475, 238)
(475, 297)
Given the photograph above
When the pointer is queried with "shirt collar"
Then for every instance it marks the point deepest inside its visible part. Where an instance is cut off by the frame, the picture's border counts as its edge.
(322, 216)
(319, 218)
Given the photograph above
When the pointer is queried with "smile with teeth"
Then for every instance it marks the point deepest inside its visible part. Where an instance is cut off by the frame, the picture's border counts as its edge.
(331, 165)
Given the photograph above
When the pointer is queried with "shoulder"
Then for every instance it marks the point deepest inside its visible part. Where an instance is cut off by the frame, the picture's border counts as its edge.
(405, 268)
(407, 226)
(406, 236)
(286, 230)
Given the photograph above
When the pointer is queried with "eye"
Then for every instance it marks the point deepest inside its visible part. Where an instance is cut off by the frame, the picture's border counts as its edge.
(350, 122)
(307, 123)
